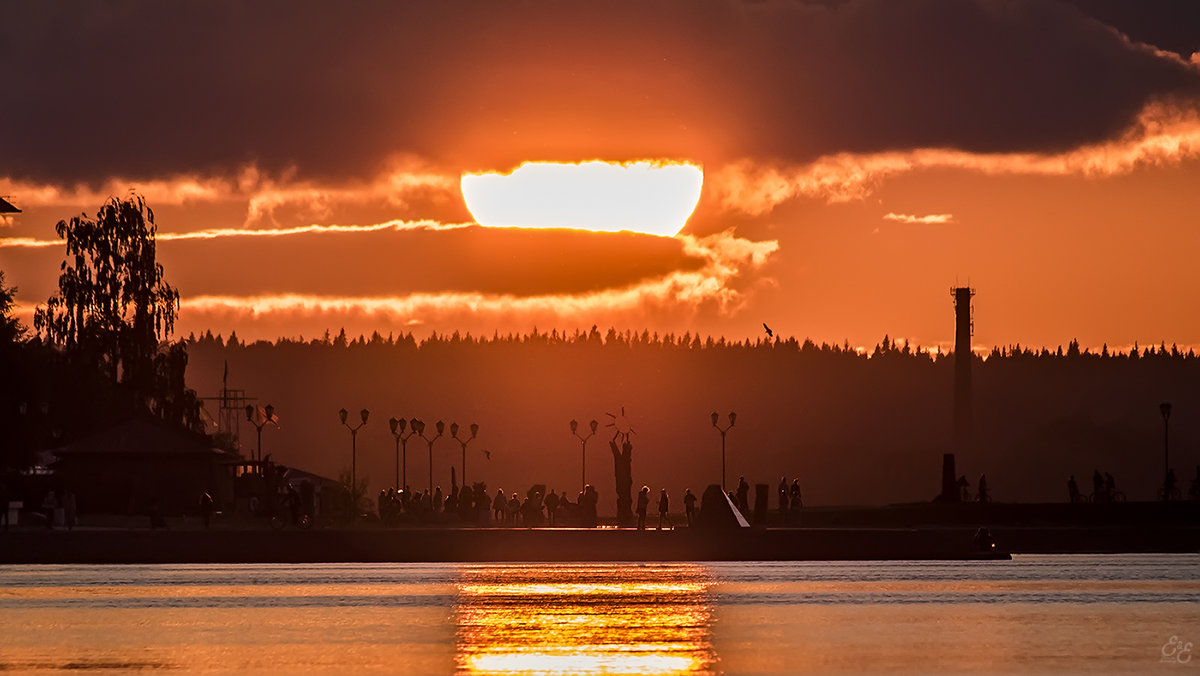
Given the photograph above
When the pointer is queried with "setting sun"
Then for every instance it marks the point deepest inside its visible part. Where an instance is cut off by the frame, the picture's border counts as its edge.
(646, 197)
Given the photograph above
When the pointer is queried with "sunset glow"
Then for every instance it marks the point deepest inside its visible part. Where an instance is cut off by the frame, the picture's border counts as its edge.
(644, 197)
(655, 623)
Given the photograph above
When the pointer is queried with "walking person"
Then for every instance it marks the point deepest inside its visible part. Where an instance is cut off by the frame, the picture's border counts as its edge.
(743, 496)
(551, 507)
(797, 498)
(498, 505)
(643, 504)
(689, 506)
(664, 507)
(514, 510)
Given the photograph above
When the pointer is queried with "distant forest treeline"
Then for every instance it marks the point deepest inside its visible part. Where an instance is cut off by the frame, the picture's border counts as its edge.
(864, 427)
(691, 341)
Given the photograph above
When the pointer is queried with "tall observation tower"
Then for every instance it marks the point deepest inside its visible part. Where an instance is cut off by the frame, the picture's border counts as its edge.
(964, 329)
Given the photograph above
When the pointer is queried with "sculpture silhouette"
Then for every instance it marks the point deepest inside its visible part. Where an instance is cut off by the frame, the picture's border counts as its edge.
(623, 470)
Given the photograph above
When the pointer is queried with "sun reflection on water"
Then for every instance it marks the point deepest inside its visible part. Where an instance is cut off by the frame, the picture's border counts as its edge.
(567, 619)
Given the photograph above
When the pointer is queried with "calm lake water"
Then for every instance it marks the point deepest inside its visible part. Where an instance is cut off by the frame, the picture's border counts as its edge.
(1035, 614)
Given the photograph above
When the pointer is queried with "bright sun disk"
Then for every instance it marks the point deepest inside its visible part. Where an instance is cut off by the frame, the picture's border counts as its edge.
(646, 197)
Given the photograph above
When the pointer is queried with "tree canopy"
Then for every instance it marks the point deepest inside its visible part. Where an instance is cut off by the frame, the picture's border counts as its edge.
(113, 306)
(11, 330)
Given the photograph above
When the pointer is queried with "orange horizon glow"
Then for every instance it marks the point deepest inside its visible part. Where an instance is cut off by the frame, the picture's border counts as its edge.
(653, 198)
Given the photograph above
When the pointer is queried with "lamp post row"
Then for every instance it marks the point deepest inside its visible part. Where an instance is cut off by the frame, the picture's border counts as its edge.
(402, 430)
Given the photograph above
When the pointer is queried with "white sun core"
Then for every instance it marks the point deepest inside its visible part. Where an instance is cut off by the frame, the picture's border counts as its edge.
(654, 198)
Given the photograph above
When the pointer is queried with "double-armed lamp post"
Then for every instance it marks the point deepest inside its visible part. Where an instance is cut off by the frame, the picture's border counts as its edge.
(398, 426)
(419, 427)
(583, 448)
(353, 453)
(723, 430)
(268, 417)
(463, 442)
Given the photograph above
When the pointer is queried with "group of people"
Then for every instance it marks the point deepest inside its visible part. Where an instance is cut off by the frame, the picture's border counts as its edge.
(394, 504)
(664, 508)
(56, 508)
(551, 509)
(791, 500)
(964, 489)
(1104, 489)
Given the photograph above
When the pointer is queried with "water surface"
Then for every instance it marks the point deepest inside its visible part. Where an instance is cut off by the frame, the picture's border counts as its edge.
(1035, 614)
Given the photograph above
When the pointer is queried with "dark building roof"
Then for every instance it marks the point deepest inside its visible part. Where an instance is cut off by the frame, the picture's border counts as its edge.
(143, 436)
(6, 207)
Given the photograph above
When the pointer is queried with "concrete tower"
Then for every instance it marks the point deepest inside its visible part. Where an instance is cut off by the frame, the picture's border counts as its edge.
(963, 331)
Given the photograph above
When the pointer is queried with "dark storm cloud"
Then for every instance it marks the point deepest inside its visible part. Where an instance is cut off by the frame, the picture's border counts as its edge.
(1171, 25)
(335, 90)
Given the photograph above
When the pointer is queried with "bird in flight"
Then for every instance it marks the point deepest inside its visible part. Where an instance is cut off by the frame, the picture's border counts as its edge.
(770, 333)
(488, 454)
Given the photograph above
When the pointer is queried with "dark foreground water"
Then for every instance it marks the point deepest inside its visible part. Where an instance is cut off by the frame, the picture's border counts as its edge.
(1035, 614)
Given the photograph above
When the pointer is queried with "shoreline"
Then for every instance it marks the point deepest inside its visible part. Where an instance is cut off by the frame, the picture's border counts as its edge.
(483, 545)
(919, 531)
(466, 545)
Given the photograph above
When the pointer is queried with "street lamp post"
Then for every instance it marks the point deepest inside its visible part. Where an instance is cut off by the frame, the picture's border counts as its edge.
(401, 444)
(269, 413)
(419, 426)
(1165, 409)
(732, 420)
(583, 448)
(353, 454)
(463, 442)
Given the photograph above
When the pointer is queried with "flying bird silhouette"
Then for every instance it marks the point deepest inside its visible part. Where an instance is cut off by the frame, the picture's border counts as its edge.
(488, 454)
(770, 333)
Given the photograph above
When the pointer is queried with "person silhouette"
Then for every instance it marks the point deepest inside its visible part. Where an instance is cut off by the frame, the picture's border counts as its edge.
(797, 498)
(983, 495)
(587, 506)
(689, 506)
(1097, 486)
(643, 503)
(743, 496)
(664, 507)
(1072, 490)
(551, 507)
(514, 510)
(498, 505)
(1169, 485)
(964, 488)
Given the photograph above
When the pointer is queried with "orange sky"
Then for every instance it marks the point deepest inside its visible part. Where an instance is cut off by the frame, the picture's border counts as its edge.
(1059, 148)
